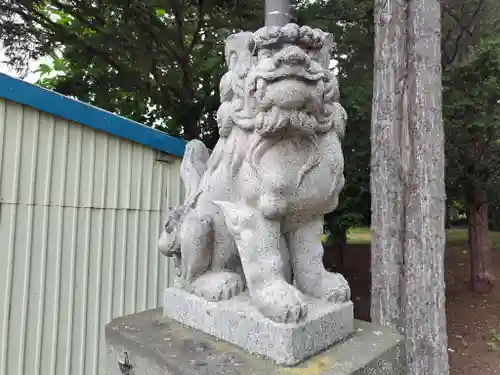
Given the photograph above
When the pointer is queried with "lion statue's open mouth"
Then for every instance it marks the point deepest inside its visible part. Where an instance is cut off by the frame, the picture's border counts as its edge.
(288, 90)
(280, 82)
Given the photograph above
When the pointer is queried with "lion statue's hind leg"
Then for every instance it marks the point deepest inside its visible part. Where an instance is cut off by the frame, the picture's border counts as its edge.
(196, 258)
(225, 278)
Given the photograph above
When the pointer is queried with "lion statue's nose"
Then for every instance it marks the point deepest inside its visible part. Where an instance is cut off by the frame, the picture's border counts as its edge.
(292, 55)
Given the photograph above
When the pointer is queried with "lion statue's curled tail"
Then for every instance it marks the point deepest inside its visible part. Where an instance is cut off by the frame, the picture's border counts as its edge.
(193, 167)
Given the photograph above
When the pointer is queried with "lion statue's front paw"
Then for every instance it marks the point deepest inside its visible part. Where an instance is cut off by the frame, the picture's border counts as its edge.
(218, 286)
(280, 302)
(334, 288)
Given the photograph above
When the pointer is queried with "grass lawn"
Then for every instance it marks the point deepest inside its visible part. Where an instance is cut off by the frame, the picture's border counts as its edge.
(359, 236)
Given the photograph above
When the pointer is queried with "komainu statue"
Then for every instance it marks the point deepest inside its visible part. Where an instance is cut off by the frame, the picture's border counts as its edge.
(253, 214)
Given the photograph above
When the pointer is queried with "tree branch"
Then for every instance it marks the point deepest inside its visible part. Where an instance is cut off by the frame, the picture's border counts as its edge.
(457, 19)
(179, 20)
(196, 34)
(464, 29)
(146, 20)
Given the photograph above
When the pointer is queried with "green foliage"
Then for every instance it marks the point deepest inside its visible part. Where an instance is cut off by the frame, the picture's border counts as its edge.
(160, 63)
(155, 62)
(471, 112)
(351, 24)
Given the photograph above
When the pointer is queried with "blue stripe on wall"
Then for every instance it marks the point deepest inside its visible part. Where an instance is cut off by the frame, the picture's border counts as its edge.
(59, 105)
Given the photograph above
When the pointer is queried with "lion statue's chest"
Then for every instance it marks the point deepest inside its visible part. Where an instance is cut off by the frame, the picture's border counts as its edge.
(302, 174)
(299, 176)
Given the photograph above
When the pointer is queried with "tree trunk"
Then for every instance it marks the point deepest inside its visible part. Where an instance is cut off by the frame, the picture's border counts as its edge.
(448, 214)
(191, 131)
(189, 118)
(479, 242)
(339, 239)
(386, 182)
(407, 182)
(424, 247)
(341, 245)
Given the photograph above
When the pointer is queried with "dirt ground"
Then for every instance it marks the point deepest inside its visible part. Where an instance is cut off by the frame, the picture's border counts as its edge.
(471, 317)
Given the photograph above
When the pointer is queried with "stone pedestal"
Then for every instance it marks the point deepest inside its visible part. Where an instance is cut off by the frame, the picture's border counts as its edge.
(238, 322)
(155, 345)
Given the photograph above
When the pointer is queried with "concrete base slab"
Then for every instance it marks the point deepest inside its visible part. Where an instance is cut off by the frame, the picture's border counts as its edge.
(155, 345)
(238, 322)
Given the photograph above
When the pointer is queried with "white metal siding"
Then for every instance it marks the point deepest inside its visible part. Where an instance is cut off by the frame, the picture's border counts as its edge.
(80, 214)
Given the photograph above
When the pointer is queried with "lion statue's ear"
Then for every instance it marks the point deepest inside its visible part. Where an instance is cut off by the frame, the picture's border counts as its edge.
(241, 47)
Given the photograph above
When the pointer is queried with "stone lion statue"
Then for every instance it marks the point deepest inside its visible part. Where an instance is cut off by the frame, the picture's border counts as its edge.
(253, 213)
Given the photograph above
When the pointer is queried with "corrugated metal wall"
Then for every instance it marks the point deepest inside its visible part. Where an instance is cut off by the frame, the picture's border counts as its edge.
(80, 214)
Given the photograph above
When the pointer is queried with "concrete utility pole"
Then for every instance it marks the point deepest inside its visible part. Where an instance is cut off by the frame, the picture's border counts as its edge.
(278, 12)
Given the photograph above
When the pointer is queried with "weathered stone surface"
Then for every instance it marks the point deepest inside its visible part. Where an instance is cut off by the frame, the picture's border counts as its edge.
(157, 345)
(253, 214)
(239, 322)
